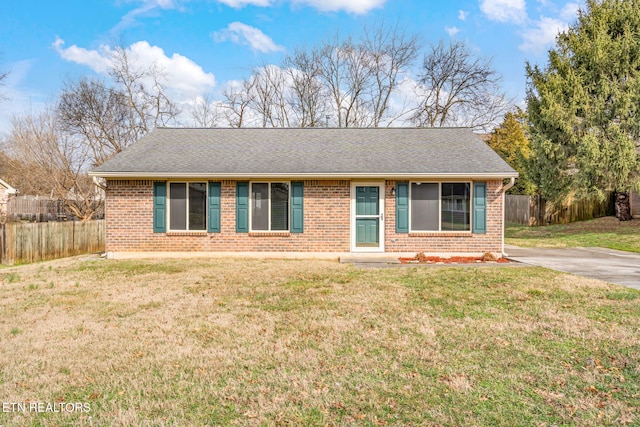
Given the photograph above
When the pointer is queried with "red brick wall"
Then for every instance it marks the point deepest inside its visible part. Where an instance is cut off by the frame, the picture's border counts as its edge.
(129, 219)
(446, 241)
(129, 216)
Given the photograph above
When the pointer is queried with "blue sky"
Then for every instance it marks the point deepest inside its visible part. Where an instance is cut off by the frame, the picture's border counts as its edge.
(204, 44)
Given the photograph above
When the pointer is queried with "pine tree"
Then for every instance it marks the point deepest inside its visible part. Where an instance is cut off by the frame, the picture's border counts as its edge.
(510, 142)
(584, 107)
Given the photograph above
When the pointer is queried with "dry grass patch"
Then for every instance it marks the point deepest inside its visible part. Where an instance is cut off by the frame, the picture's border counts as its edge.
(219, 342)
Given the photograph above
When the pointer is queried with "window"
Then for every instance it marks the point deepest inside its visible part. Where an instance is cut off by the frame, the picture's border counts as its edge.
(270, 206)
(188, 206)
(455, 212)
(424, 206)
(440, 206)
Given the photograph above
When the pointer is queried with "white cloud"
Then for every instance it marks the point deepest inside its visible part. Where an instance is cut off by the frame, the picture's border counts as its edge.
(184, 79)
(570, 11)
(144, 9)
(504, 10)
(358, 7)
(165, 4)
(99, 61)
(246, 35)
(462, 15)
(452, 31)
(542, 35)
(237, 4)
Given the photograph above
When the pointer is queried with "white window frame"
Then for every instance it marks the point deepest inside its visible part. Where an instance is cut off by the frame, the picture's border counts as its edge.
(206, 213)
(269, 230)
(439, 230)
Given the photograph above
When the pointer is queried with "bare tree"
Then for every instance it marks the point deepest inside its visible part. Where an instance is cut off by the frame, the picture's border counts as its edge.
(204, 111)
(345, 70)
(99, 114)
(3, 76)
(352, 81)
(237, 101)
(55, 159)
(109, 119)
(269, 86)
(459, 89)
(307, 96)
(144, 93)
(3, 81)
(90, 123)
(392, 52)
(18, 173)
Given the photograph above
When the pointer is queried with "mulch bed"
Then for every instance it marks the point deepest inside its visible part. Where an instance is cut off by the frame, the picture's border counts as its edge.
(424, 259)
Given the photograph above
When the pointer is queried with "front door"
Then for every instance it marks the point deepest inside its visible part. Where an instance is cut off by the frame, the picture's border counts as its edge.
(368, 218)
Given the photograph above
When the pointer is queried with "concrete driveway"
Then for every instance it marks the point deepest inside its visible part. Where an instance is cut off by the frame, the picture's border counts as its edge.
(611, 266)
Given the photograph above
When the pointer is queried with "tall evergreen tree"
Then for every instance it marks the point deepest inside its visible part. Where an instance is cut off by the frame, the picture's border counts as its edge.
(510, 142)
(584, 107)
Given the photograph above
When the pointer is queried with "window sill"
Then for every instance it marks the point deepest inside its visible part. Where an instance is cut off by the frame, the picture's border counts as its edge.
(269, 234)
(440, 234)
(202, 233)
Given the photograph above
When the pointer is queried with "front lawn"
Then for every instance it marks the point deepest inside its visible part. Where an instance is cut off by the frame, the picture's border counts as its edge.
(273, 342)
(607, 232)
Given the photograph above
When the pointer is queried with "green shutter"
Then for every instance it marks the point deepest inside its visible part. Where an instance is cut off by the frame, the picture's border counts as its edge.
(214, 208)
(480, 207)
(402, 207)
(242, 207)
(159, 207)
(297, 207)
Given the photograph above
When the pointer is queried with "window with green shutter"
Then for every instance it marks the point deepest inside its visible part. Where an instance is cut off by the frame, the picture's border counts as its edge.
(187, 204)
(297, 207)
(402, 207)
(242, 207)
(480, 207)
(213, 208)
(435, 206)
(270, 206)
(159, 207)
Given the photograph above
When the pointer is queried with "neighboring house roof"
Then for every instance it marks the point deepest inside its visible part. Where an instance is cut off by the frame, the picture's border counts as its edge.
(307, 152)
(10, 189)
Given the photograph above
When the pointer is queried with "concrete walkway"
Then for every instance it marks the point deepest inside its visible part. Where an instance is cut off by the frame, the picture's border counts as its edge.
(608, 265)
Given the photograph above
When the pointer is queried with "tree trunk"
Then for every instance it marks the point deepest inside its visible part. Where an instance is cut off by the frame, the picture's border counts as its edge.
(623, 206)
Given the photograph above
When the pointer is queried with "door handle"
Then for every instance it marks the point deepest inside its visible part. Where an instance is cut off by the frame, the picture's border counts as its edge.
(381, 216)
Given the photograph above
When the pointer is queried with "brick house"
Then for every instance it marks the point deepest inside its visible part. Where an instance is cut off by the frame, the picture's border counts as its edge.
(316, 190)
(6, 192)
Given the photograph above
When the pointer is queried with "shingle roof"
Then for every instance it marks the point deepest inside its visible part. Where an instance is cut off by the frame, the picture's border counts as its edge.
(307, 152)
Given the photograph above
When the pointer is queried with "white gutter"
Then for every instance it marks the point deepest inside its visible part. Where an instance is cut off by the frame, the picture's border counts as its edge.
(510, 184)
(165, 175)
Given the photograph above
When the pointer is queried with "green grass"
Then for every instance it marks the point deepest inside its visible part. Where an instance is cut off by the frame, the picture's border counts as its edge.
(246, 342)
(605, 232)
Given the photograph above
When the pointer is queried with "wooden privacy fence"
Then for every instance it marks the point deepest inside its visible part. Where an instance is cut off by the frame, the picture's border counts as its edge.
(533, 210)
(34, 208)
(42, 209)
(29, 242)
